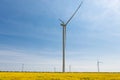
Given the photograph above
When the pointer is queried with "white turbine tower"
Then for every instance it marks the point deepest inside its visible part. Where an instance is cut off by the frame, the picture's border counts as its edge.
(64, 25)
(98, 65)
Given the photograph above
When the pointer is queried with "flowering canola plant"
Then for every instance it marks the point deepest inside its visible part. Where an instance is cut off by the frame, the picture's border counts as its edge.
(58, 76)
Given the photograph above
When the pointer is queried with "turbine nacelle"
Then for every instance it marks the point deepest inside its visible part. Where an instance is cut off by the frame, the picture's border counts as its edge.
(62, 23)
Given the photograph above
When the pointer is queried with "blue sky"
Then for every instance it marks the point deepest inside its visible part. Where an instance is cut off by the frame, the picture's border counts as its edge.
(30, 33)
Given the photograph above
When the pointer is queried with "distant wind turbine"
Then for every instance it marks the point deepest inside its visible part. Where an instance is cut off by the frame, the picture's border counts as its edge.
(98, 65)
(22, 67)
(63, 24)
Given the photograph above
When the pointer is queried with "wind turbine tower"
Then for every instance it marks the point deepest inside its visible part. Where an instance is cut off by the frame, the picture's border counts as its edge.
(64, 25)
(98, 65)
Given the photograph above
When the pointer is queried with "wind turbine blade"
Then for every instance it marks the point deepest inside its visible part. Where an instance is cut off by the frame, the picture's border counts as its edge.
(74, 13)
(61, 21)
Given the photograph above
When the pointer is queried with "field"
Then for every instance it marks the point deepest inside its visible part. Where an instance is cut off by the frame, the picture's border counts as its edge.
(58, 76)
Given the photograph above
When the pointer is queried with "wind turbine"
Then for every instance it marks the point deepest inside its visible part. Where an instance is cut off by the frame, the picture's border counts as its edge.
(64, 25)
(98, 65)
(22, 67)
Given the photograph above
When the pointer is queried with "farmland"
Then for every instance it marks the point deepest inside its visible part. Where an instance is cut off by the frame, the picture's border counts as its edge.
(58, 76)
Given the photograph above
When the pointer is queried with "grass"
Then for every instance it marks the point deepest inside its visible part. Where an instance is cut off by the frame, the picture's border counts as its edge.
(58, 76)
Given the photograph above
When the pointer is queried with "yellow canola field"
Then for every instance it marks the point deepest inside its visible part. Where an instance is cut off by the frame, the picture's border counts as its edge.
(58, 76)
